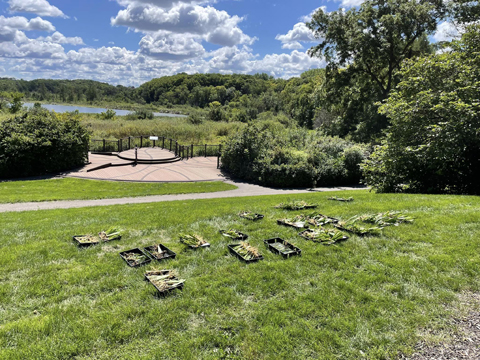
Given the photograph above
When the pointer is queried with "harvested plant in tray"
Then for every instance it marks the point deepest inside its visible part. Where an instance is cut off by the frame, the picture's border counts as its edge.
(245, 252)
(280, 246)
(110, 234)
(321, 220)
(352, 225)
(296, 205)
(160, 252)
(297, 222)
(250, 215)
(234, 234)
(389, 218)
(135, 257)
(164, 281)
(193, 241)
(350, 199)
(324, 236)
(86, 240)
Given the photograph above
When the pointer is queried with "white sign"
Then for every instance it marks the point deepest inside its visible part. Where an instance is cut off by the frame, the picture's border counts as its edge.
(153, 137)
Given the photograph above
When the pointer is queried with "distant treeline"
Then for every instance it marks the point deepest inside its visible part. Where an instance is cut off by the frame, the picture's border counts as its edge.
(233, 97)
(70, 91)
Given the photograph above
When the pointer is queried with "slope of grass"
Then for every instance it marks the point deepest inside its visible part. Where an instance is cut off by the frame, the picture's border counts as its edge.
(79, 189)
(366, 298)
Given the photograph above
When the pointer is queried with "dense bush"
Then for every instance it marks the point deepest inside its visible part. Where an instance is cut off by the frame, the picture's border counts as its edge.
(40, 142)
(433, 145)
(268, 153)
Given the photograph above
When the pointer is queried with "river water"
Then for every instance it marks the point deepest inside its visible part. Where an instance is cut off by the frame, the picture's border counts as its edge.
(89, 110)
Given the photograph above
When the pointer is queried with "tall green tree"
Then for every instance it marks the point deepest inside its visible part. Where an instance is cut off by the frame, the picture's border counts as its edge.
(364, 48)
(433, 145)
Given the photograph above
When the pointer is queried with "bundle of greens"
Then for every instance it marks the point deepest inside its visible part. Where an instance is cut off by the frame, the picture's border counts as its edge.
(87, 239)
(352, 226)
(388, 218)
(246, 251)
(250, 215)
(298, 221)
(164, 280)
(321, 235)
(320, 220)
(134, 258)
(192, 240)
(296, 205)
(233, 234)
(110, 234)
(284, 247)
(341, 199)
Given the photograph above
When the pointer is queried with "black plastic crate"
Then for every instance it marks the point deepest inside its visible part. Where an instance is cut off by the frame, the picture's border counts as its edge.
(294, 225)
(256, 217)
(269, 243)
(135, 251)
(169, 253)
(80, 244)
(163, 293)
(232, 250)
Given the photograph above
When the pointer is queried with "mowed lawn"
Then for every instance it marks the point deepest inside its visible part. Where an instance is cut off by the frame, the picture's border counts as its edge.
(370, 297)
(80, 189)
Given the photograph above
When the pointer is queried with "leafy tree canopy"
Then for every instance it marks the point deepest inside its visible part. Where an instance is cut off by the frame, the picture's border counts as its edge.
(433, 144)
(364, 48)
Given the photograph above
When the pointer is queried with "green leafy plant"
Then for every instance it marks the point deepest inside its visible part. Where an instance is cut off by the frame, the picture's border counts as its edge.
(350, 199)
(250, 215)
(164, 280)
(352, 225)
(135, 258)
(298, 221)
(284, 247)
(110, 234)
(192, 240)
(296, 205)
(323, 235)
(388, 218)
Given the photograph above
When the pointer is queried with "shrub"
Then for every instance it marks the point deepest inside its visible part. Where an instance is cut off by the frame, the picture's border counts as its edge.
(40, 142)
(108, 115)
(195, 119)
(270, 154)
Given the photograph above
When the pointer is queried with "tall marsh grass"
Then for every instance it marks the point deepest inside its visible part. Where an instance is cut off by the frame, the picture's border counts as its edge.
(175, 128)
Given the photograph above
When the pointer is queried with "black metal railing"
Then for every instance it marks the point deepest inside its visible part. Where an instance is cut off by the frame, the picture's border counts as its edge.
(184, 151)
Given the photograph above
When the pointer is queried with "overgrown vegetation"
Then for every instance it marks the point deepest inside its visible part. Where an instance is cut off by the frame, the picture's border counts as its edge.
(271, 154)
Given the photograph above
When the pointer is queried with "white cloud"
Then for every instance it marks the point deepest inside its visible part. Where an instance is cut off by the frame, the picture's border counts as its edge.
(351, 3)
(446, 31)
(32, 49)
(168, 46)
(215, 26)
(300, 32)
(295, 45)
(59, 38)
(22, 23)
(39, 7)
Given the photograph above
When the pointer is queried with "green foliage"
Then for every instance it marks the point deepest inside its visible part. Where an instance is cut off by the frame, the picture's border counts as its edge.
(108, 115)
(363, 48)
(216, 112)
(40, 142)
(195, 119)
(433, 145)
(16, 102)
(270, 154)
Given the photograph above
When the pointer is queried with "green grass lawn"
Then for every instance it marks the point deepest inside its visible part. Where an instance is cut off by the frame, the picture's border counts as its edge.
(368, 297)
(79, 189)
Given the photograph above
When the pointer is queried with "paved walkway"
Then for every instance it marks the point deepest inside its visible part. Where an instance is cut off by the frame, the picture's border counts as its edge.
(243, 190)
(195, 169)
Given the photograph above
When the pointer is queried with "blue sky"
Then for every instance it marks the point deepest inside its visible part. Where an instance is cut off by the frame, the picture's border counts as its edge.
(130, 42)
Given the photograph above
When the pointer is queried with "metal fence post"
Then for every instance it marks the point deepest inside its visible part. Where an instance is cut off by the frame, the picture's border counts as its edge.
(170, 144)
(205, 150)
(129, 147)
(103, 145)
(118, 145)
(141, 141)
(191, 153)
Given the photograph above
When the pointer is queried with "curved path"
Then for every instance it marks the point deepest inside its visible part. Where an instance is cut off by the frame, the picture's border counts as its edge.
(242, 191)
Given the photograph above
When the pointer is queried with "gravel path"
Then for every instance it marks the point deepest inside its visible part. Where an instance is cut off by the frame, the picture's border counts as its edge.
(243, 190)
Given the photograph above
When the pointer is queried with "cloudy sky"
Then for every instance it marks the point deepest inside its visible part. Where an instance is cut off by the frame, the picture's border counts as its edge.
(130, 42)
